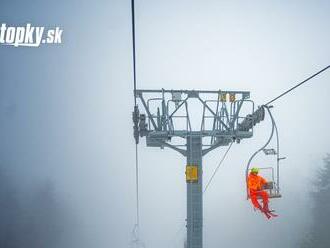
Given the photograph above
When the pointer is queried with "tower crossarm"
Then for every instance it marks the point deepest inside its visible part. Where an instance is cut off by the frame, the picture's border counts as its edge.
(168, 117)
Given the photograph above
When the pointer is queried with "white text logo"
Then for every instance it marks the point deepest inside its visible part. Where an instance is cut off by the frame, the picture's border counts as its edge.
(29, 36)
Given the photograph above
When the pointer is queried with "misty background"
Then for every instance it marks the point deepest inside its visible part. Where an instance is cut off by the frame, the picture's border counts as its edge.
(66, 129)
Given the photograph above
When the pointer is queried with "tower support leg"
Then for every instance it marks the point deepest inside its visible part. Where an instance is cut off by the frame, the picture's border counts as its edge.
(195, 194)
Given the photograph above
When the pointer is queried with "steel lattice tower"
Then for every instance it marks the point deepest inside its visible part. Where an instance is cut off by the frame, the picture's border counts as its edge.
(227, 116)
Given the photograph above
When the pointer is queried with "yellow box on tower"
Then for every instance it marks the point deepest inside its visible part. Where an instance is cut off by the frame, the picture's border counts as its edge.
(223, 97)
(191, 173)
(232, 97)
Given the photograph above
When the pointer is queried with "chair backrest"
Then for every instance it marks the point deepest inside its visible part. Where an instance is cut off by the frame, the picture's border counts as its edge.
(269, 185)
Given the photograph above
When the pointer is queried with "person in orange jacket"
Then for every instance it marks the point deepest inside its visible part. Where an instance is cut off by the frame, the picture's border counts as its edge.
(256, 185)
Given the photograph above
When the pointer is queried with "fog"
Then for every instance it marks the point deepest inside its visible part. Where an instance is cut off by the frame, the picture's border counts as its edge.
(65, 114)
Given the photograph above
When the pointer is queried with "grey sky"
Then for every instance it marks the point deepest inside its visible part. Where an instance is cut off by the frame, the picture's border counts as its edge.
(65, 111)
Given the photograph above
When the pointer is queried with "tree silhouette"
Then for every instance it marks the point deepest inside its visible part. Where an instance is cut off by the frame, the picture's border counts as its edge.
(319, 235)
(36, 220)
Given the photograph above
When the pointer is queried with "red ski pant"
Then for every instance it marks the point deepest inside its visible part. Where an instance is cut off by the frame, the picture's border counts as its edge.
(254, 195)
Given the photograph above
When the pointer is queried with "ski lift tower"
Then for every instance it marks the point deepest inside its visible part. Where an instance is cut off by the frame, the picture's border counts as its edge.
(166, 122)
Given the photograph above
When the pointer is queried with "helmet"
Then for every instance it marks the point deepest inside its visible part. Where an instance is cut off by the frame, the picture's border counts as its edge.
(255, 170)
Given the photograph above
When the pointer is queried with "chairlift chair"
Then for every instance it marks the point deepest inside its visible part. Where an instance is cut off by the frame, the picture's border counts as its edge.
(272, 184)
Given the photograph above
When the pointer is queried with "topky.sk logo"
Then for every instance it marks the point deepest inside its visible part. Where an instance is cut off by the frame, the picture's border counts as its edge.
(29, 36)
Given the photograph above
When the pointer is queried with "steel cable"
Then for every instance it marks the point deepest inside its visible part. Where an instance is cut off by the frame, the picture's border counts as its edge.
(299, 84)
(216, 170)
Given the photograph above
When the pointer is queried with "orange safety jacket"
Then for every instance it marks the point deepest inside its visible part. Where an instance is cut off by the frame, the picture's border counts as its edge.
(255, 182)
